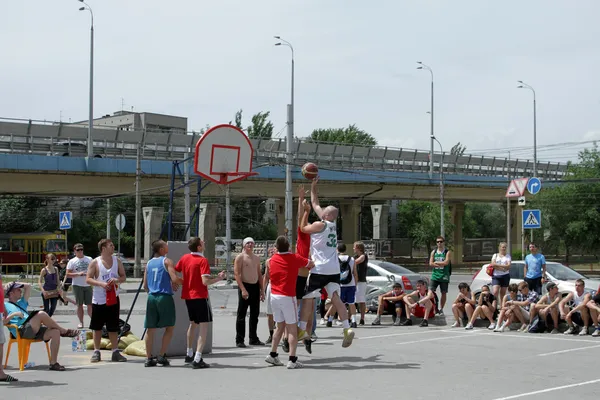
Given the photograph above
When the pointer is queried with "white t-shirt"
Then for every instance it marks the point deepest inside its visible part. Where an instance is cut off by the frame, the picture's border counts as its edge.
(502, 260)
(344, 258)
(323, 247)
(77, 264)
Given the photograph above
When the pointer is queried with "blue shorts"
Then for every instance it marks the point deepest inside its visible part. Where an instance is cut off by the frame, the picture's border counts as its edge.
(348, 294)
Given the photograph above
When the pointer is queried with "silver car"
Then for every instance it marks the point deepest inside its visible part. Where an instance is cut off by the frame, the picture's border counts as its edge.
(380, 273)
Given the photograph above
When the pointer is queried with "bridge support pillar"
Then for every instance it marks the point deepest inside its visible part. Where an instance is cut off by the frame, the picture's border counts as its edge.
(207, 227)
(516, 221)
(458, 211)
(153, 222)
(350, 212)
(381, 213)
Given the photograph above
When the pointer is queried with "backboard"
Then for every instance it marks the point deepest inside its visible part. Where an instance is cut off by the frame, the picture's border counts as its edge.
(224, 155)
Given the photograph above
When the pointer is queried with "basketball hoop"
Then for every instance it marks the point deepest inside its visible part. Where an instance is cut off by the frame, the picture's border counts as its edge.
(223, 156)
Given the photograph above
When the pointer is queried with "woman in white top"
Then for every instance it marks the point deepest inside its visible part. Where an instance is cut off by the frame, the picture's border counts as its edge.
(501, 275)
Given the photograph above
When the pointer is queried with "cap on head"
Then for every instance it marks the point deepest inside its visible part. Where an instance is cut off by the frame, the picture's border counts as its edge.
(550, 286)
(246, 241)
(11, 286)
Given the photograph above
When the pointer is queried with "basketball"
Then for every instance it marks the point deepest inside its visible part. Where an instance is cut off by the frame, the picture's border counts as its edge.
(310, 171)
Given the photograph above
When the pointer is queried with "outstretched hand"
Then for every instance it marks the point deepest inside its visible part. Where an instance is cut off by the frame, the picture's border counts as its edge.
(301, 191)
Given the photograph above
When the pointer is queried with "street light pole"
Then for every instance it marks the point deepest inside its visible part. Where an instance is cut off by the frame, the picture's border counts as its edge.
(90, 145)
(289, 141)
(523, 85)
(442, 227)
(425, 67)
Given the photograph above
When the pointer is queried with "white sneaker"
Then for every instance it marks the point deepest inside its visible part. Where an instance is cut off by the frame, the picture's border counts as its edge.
(596, 332)
(569, 331)
(274, 361)
(457, 324)
(323, 321)
(504, 327)
(523, 328)
(499, 328)
(584, 331)
(294, 365)
(554, 331)
(492, 326)
(469, 326)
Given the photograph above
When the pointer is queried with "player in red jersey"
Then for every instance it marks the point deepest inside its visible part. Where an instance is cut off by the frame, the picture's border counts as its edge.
(283, 271)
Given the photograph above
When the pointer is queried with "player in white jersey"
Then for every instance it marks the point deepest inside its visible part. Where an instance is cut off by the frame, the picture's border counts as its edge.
(326, 272)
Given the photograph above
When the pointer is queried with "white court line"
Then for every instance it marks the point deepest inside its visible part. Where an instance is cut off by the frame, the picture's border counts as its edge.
(538, 336)
(567, 351)
(516, 396)
(440, 338)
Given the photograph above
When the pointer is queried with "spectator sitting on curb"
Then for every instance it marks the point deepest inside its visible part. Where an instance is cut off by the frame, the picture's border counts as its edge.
(420, 303)
(392, 302)
(486, 308)
(548, 306)
(463, 305)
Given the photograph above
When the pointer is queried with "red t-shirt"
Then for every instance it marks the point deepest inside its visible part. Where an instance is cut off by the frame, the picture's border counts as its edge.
(303, 244)
(193, 267)
(283, 271)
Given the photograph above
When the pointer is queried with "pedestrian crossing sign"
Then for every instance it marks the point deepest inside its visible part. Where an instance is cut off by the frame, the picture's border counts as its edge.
(532, 219)
(64, 219)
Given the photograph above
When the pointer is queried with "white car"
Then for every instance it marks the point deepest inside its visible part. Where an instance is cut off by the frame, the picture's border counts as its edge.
(380, 273)
(563, 276)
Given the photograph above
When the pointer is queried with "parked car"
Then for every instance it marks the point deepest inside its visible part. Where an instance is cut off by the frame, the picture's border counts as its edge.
(373, 293)
(380, 273)
(563, 276)
(67, 148)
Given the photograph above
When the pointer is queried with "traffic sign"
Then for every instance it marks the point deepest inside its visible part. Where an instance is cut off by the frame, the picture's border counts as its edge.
(534, 185)
(516, 188)
(120, 222)
(521, 201)
(64, 219)
(532, 219)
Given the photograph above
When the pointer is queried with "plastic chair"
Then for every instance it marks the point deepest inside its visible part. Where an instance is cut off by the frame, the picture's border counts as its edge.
(22, 348)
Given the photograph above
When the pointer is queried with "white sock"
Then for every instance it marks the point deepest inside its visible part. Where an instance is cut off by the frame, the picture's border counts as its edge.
(353, 318)
(198, 357)
(190, 352)
(346, 324)
(302, 325)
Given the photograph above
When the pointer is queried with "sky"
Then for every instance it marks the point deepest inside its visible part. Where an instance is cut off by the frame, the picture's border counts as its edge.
(355, 63)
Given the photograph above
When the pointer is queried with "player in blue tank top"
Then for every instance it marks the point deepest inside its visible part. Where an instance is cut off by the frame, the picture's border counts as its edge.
(160, 281)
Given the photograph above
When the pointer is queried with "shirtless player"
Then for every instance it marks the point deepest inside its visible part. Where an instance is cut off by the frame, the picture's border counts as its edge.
(326, 273)
(250, 293)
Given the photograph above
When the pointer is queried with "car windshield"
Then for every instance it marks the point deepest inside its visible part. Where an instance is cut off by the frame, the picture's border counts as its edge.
(393, 268)
(563, 273)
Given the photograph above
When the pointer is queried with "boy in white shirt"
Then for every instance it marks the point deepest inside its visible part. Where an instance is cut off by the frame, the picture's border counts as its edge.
(348, 279)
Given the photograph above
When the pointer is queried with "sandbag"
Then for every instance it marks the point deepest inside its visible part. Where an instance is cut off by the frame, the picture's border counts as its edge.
(89, 344)
(131, 335)
(136, 349)
(127, 340)
(89, 335)
(105, 344)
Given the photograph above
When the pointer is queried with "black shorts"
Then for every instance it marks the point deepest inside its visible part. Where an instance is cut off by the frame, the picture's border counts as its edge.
(443, 286)
(502, 280)
(199, 310)
(301, 286)
(106, 315)
(316, 282)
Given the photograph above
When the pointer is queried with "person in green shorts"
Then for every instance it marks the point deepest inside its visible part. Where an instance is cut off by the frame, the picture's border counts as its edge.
(160, 281)
(439, 260)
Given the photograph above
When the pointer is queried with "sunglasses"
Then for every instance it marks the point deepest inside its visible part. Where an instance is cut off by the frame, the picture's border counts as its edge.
(440, 241)
(78, 249)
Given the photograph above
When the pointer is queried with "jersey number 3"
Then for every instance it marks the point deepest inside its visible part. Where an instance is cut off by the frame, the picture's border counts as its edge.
(332, 242)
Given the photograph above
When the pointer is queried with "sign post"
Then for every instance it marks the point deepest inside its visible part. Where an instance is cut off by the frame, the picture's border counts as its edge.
(534, 185)
(120, 224)
(516, 188)
(65, 220)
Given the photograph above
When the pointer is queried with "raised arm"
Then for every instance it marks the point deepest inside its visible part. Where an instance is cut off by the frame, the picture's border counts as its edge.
(314, 198)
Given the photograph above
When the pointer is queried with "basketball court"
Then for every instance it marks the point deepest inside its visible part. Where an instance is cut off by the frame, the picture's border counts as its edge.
(383, 362)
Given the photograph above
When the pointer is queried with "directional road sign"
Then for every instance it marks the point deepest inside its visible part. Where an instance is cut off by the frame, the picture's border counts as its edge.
(64, 219)
(534, 185)
(532, 219)
(120, 222)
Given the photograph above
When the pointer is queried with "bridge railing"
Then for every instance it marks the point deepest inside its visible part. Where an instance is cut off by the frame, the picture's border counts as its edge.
(55, 138)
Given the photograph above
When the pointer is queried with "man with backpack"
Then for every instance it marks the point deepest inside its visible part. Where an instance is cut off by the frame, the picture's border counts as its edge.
(348, 279)
(439, 260)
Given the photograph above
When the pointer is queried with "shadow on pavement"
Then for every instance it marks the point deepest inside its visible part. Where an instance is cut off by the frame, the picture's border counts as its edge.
(32, 384)
(345, 363)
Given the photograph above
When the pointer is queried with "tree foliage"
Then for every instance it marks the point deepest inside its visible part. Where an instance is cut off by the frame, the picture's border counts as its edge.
(22, 214)
(260, 128)
(349, 135)
(458, 149)
(420, 221)
(482, 220)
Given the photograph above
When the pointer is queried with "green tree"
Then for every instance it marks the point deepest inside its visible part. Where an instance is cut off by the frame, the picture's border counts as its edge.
(458, 149)
(483, 220)
(349, 135)
(22, 214)
(571, 210)
(261, 127)
(420, 221)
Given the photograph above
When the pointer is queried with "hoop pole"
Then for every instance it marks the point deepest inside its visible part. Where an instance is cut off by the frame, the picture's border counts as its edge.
(198, 190)
(171, 197)
(228, 225)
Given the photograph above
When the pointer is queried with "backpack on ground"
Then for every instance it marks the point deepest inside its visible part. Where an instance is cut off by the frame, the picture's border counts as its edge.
(345, 271)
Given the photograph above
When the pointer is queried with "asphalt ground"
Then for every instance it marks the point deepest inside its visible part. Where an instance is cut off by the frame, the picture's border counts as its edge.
(385, 361)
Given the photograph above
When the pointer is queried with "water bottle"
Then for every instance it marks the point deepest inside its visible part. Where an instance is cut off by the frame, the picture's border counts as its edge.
(29, 365)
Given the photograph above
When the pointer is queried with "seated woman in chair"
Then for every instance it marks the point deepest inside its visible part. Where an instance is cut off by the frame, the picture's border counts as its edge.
(3, 377)
(35, 325)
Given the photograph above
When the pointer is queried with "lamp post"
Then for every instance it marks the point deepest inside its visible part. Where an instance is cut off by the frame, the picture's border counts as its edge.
(90, 145)
(442, 228)
(523, 85)
(427, 68)
(290, 138)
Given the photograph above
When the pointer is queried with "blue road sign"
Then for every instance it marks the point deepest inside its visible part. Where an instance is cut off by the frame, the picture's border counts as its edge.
(64, 219)
(534, 185)
(532, 219)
